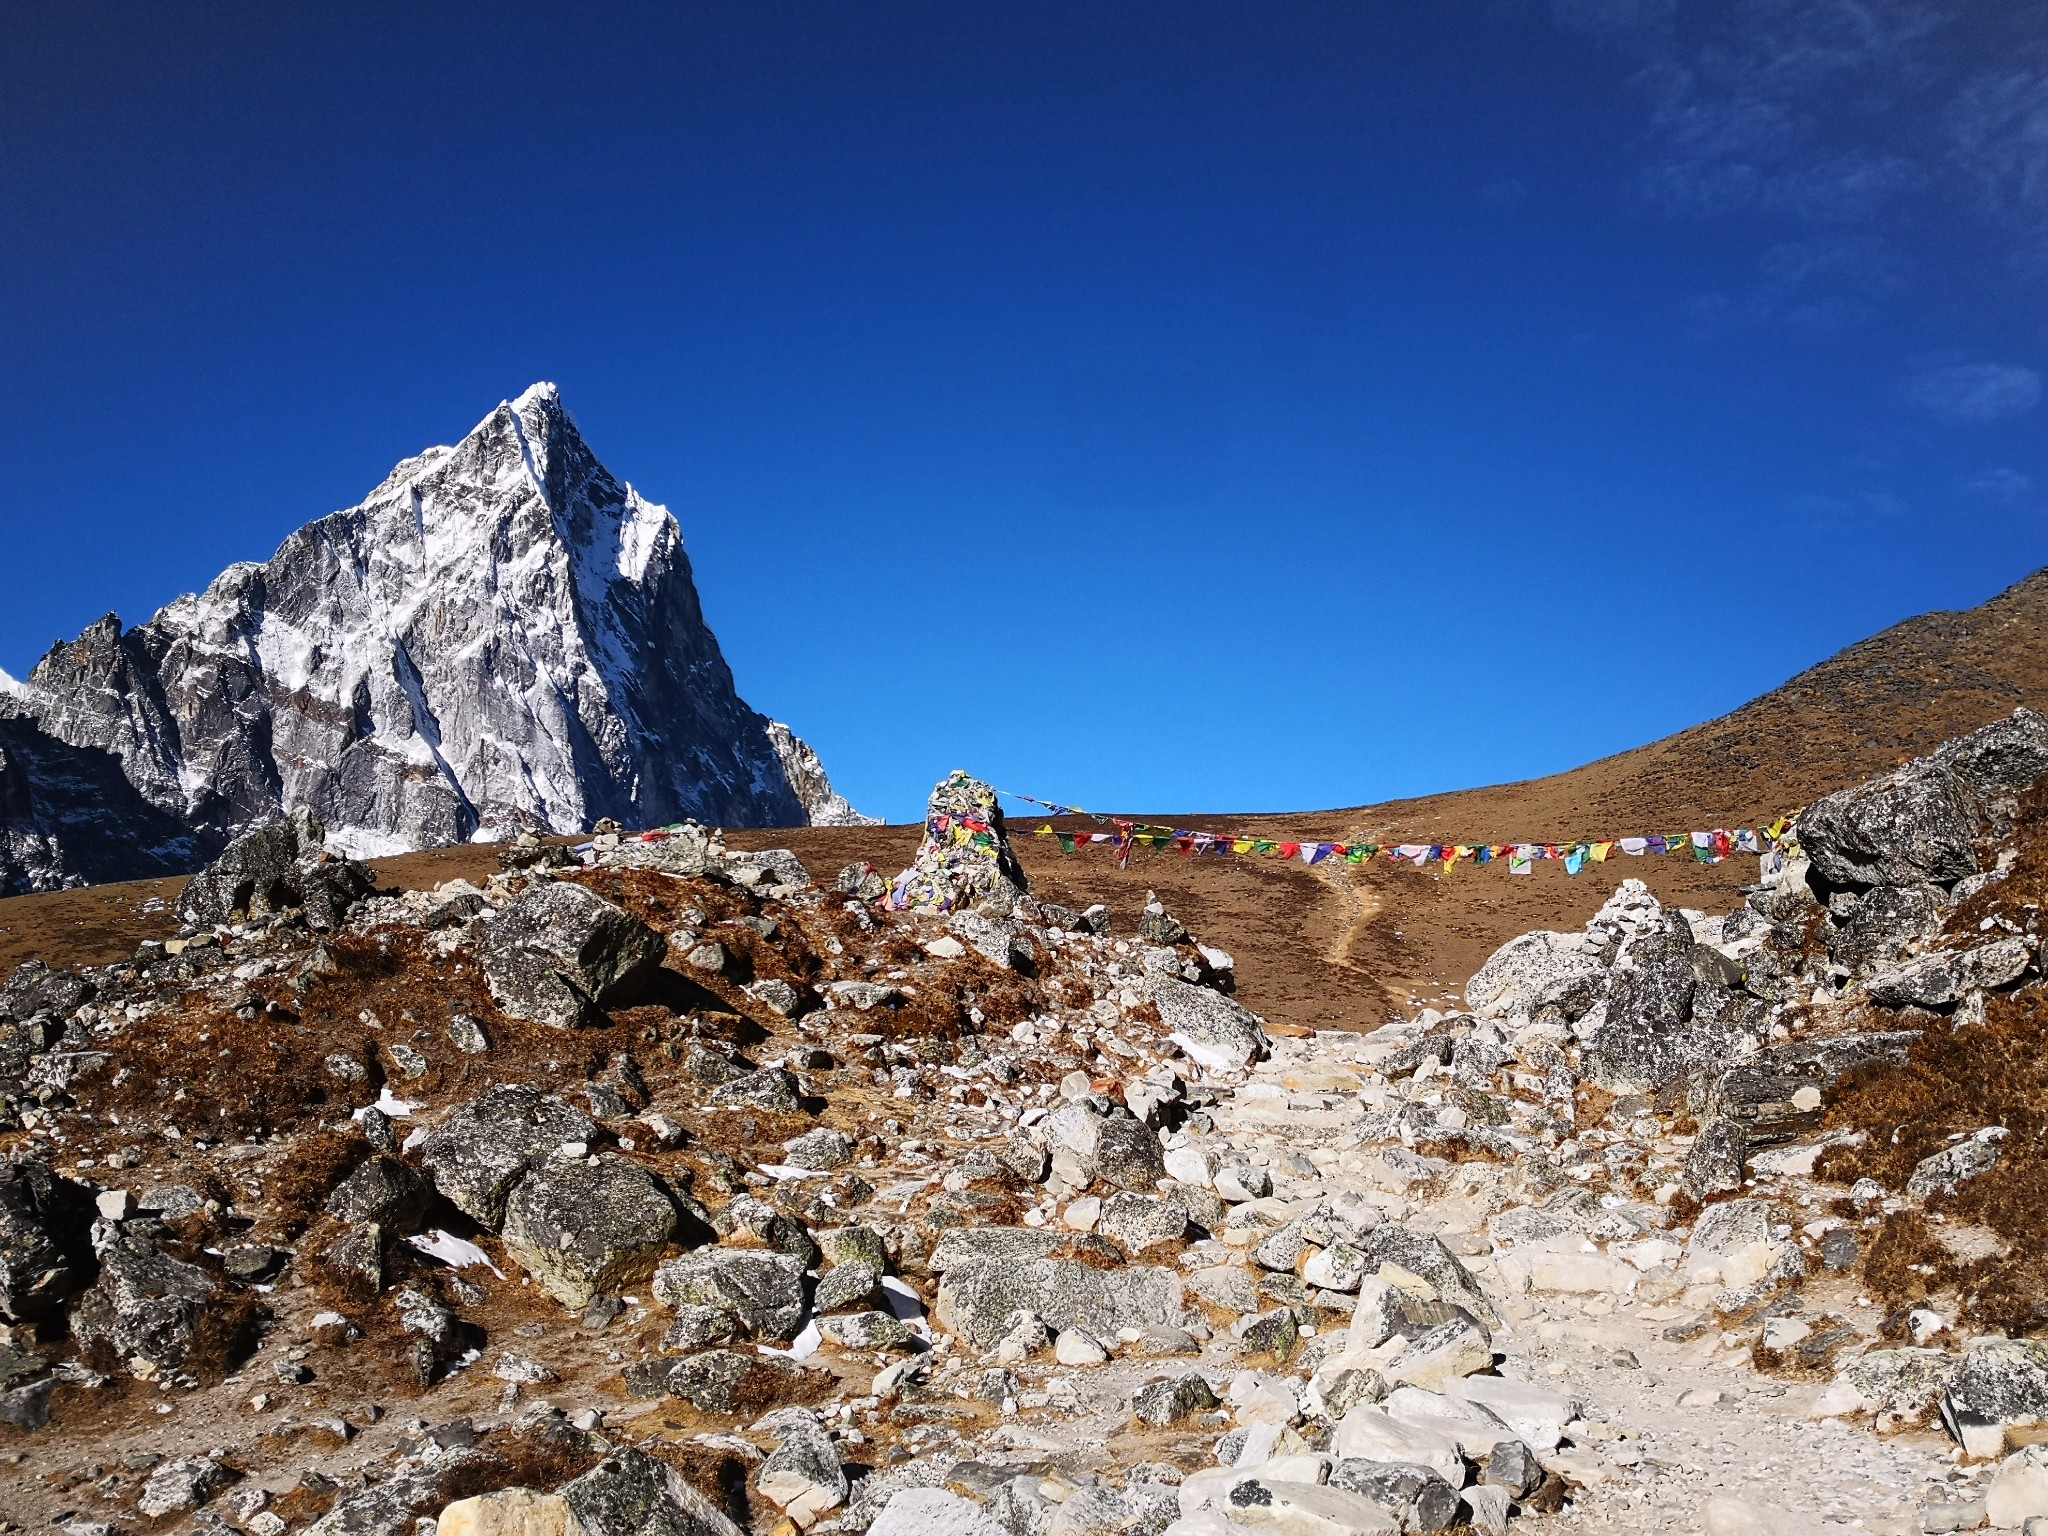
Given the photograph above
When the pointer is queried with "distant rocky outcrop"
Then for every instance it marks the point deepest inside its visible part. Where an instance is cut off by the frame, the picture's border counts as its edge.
(503, 637)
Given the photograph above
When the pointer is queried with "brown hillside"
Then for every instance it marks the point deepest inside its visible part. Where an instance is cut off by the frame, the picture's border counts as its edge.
(1341, 947)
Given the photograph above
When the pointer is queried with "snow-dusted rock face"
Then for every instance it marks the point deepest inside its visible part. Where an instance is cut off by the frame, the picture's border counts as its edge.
(501, 637)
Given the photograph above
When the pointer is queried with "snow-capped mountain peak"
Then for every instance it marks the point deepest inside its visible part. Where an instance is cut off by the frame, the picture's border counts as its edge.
(501, 636)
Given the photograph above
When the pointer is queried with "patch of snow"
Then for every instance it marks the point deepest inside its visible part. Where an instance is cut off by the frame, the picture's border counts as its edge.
(802, 1347)
(452, 1250)
(366, 843)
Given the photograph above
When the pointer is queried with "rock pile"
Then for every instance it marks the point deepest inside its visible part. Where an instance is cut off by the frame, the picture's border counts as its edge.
(671, 1192)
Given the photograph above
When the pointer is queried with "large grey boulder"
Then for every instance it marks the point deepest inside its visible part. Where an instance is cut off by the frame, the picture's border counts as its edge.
(1137, 1222)
(1944, 1170)
(2000, 1384)
(35, 988)
(1652, 1033)
(1877, 930)
(958, 1246)
(273, 869)
(1928, 982)
(176, 1487)
(559, 954)
(1215, 1030)
(1422, 1500)
(2001, 758)
(1908, 827)
(729, 1380)
(478, 1153)
(1422, 1253)
(585, 1227)
(803, 1476)
(1762, 1094)
(394, 1506)
(977, 1300)
(1538, 971)
(45, 1239)
(763, 1289)
(391, 1193)
(145, 1306)
(1128, 1154)
(632, 1494)
(1920, 823)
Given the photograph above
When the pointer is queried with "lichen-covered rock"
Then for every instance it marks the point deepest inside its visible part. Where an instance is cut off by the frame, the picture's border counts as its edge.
(1997, 964)
(560, 953)
(1876, 930)
(977, 1299)
(587, 1227)
(632, 1494)
(1128, 1154)
(486, 1147)
(1652, 1033)
(1422, 1254)
(764, 1290)
(35, 988)
(45, 1239)
(802, 1476)
(1766, 1093)
(965, 859)
(1418, 1496)
(384, 1190)
(734, 1381)
(851, 1287)
(2001, 758)
(1538, 971)
(1906, 1383)
(821, 1149)
(771, 1088)
(2000, 1384)
(1951, 1166)
(1909, 827)
(1448, 1352)
(1163, 1404)
(145, 1308)
(1216, 1031)
(1928, 982)
(1718, 1161)
(272, 869)
(1136, 1222)
(960, 1246)
(174, 1487)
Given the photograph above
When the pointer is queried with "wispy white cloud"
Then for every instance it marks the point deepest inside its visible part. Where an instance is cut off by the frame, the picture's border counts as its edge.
(1774, 105)
(2003, 485)
(1851, 506)
(1976, 391)
(1999, 130)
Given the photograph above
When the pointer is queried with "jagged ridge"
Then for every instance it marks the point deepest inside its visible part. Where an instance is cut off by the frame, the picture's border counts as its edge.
(502, 636)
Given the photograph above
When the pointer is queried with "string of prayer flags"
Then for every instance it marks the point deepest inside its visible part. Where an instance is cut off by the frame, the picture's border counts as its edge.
(1772, 844)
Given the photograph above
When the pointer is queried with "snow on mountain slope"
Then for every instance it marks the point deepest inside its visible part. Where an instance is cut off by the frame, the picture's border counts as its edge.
(501, 636)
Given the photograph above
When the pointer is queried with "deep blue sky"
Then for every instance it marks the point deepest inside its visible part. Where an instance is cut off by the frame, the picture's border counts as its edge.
(1160, 406)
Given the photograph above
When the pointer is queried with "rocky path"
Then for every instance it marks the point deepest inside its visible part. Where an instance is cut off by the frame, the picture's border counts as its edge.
(1676, 1436)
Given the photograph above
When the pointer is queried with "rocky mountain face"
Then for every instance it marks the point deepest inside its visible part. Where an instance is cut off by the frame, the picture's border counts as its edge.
(503, 637)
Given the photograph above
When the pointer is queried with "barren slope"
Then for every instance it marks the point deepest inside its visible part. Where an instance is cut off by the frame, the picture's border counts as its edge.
(1344, 947)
